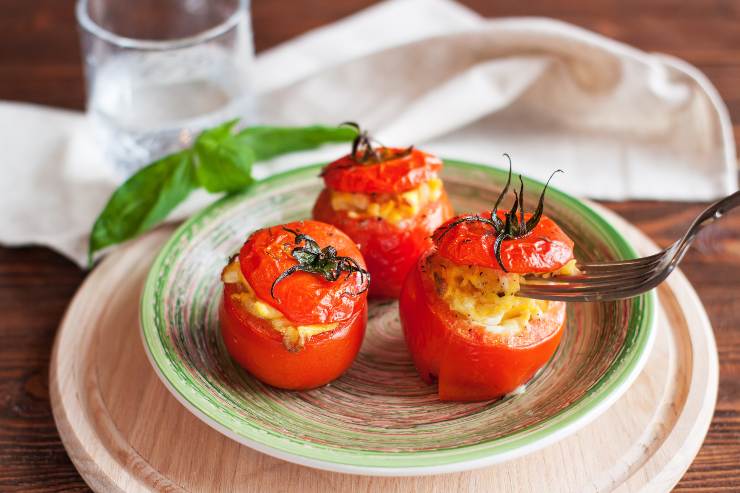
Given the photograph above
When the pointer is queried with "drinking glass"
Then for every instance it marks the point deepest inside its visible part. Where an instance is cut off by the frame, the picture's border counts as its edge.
(160, 71)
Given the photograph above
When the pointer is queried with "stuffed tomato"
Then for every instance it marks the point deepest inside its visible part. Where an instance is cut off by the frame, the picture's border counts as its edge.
(294, 307)
(464, 324)
(389, 201)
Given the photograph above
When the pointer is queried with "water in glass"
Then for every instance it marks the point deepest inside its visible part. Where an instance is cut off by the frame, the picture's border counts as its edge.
(145, 105)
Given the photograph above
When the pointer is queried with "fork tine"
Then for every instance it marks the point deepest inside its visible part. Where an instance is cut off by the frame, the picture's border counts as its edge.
(585, 288)
(605, 284)
(591, 277)
(577, 292)
(584, 294)
(578, 287)
(624, 264)
(562, 282)
(597, 295)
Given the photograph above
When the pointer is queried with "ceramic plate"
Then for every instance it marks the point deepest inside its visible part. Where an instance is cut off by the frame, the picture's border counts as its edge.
(379, 418)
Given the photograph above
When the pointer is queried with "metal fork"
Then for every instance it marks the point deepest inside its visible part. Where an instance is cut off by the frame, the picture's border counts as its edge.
(625, 278)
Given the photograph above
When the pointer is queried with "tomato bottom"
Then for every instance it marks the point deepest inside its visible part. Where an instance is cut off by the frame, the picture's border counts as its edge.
(469, 363)
(258, 348)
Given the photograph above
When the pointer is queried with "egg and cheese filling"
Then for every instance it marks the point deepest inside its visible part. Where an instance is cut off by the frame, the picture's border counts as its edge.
(487, 297)
(569, 269)
(393, 208)
(294, 336)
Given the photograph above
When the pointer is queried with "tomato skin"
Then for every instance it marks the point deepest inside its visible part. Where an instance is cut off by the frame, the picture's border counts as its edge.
(469, 363)
(303, 298)
(544, 249)
(391, 176)
(257, 347)
(390, 251)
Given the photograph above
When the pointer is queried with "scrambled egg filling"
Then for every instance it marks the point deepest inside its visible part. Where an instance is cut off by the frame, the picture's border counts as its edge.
(487, 297)
(394, 208)
(294, 336)
(569, 269)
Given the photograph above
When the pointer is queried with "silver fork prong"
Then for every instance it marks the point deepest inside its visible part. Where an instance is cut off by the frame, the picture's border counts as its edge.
(619, 264)
(592, 272)
(591, 277)
(602, 279)
(586, 287)
(634, 264)
(612, 290)
(598, 295)
(580, 289)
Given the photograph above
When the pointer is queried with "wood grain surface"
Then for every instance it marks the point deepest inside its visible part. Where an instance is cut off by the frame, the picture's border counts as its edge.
(40, 63)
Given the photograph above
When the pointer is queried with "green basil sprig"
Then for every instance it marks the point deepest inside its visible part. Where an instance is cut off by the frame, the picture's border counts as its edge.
(220, 161)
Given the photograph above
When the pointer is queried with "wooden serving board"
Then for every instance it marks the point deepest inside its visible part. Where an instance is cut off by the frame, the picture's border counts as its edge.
(125, 432)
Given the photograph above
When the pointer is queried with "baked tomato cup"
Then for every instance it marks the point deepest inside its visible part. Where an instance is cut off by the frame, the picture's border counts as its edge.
(294, 307)
(388, 200)
(464, 325)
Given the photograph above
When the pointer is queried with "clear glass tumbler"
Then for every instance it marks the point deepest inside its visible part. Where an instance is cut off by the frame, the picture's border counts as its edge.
(160, 71)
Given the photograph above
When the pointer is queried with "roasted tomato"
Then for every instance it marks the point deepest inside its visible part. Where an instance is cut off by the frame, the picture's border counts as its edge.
(389, 201)
(294, 307)
(469, 360)
(464, 324)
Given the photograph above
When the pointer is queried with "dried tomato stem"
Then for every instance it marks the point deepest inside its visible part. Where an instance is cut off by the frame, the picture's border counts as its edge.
(324, 262)
(511, 227)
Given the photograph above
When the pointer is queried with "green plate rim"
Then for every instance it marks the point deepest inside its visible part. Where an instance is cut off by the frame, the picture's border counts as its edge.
(598, 398)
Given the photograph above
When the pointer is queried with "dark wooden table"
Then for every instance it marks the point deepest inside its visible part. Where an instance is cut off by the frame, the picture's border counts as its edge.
(40, 63)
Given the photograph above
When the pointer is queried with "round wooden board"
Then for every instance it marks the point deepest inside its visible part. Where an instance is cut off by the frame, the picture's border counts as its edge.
(125, 432)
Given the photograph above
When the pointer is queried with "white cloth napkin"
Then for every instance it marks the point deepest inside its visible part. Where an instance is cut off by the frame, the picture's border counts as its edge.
(622, 123)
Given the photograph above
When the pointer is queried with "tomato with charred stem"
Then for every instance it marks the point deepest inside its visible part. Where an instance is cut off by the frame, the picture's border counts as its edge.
(388, 200)
(294, 307)
(464, 324)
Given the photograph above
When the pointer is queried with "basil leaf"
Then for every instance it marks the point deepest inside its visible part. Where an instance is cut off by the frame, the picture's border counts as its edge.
(219, 161)
(269, 142)
(143, 200)
(223, 164)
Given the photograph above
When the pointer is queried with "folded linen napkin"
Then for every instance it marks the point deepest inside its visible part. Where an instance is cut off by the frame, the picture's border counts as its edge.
(622, 123)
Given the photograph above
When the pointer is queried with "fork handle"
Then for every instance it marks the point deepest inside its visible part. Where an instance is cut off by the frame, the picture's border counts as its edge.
(707, 217)
(713, 212)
